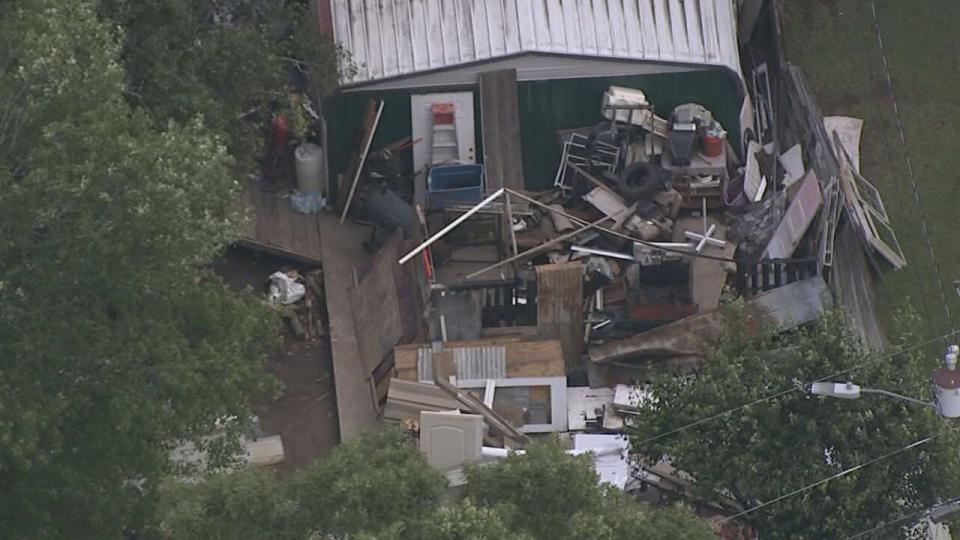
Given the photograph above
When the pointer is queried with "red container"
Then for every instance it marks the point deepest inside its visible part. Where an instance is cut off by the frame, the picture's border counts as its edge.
(712, 144)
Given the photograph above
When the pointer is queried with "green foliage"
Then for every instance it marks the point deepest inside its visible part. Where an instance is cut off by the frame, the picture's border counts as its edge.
(368, 483)
(763, 451)
(188, 59)
(379, 486)
(375, 486)
(467, 521)
(114, 341)
(547, 493)
(243, 504)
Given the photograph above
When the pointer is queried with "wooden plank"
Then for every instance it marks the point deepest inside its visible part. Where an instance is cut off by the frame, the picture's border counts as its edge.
(560, 307)
(500, 123)
(356, 411)
(376, 310)
(542, 358)
(784, 308)
(366, 140)
(493, 418)
(277, 229)
(708, 276)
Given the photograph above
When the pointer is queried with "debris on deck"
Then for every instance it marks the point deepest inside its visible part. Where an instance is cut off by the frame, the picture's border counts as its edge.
(504, 303)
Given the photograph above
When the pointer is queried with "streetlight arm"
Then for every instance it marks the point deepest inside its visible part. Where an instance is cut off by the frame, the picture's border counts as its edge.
(897, 396)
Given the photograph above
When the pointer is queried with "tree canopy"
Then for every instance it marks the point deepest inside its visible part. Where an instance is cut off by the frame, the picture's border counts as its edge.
(116, 342)
(763, 451)
(225, 62)
(380, 486)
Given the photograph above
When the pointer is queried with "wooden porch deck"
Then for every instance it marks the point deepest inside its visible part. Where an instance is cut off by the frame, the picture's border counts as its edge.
(276, 228)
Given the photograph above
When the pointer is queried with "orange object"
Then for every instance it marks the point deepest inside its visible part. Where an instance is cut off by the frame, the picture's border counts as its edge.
(712, 144)
(442, 113)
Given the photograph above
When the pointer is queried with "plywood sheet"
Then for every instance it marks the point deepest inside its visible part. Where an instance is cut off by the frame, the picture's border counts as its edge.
(708, 276)
(560, 307)
(376, 311)
(500, 122)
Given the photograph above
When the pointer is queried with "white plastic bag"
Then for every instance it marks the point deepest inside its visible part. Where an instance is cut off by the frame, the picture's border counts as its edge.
(285, 289)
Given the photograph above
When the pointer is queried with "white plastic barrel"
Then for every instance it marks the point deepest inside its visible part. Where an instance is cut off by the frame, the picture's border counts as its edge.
(309, 165)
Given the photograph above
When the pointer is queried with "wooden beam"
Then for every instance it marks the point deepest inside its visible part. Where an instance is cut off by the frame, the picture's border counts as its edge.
(363, 160)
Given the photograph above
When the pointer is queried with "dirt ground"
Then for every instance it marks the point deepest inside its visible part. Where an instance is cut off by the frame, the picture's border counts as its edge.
(305, 413)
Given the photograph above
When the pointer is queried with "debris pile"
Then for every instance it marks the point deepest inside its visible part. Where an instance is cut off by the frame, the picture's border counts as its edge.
(299, 299)
(548, 312)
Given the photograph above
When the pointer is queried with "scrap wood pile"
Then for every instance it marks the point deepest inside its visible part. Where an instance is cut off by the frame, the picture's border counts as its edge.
(299, 299)
(645, 202)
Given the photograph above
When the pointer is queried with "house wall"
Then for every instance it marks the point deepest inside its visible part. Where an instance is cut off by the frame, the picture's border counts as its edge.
(545, 107)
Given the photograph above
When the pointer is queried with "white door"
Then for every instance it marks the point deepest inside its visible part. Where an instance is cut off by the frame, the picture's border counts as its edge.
(421, 120)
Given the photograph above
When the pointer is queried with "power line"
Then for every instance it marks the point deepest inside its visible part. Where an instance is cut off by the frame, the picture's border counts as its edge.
(888, 524)
(866, 65)
(840, 474)
(794, 388)
(906, 154)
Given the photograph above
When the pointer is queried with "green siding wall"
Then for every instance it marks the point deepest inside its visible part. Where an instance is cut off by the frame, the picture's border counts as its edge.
(545, 108)
(549, 106)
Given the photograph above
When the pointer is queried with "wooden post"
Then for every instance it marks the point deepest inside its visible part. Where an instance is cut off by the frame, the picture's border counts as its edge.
(508, 211)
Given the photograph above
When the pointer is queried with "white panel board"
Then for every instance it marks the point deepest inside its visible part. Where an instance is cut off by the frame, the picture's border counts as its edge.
(797, 220)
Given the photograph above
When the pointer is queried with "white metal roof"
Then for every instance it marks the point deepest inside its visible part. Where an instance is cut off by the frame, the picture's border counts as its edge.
(411, 39)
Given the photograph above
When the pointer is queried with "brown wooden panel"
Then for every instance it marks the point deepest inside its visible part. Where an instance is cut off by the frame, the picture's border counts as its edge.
(376, 310)
(560, 307)
(277, 229)
(543, 358)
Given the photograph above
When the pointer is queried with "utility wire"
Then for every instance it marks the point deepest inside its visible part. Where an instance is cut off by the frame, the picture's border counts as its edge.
(840, 474)
(906, 154)
(888, 154)
(795, 388)
(888, 524)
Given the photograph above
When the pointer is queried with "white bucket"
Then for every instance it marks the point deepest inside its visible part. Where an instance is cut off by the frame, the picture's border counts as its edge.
(309, 168)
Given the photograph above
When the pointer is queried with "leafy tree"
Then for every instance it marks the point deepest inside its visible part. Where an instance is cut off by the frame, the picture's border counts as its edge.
(763, 451)
(375, 486)
(374, 482)
(466, 521)
(379, 486)
(115, 343)
(548, 493)
(226, 62)
(248, 503)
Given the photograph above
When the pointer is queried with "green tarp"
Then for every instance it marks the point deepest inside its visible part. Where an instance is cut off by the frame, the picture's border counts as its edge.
(545, 108)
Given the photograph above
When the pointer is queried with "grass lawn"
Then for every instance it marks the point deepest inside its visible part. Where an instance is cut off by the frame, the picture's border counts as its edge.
(835, 43)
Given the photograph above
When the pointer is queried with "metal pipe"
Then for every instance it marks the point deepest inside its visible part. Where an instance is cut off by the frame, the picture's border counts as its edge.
(540, 248)
(443, 232)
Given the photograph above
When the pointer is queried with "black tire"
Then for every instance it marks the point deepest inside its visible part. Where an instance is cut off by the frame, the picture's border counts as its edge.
(640, 181)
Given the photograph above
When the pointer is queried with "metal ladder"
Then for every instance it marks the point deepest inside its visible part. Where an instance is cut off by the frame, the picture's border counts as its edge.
(444, 147)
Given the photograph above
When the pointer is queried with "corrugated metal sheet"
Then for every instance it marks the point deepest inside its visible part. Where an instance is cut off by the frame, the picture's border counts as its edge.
(471, 362)
(386, 39)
